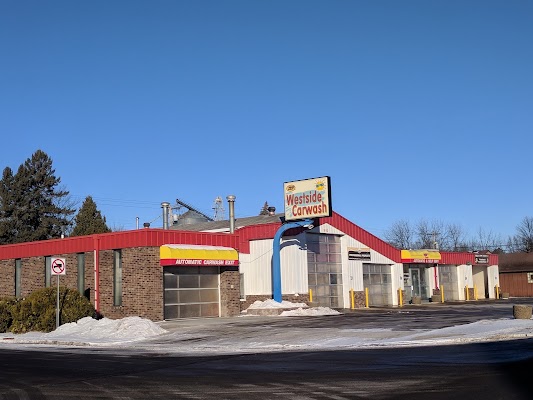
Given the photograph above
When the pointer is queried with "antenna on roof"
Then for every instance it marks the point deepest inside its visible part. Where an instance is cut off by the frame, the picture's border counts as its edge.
(219, 209)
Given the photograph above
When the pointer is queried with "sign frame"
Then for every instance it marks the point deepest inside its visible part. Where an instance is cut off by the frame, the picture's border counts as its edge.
(58, 266)
(307, 198)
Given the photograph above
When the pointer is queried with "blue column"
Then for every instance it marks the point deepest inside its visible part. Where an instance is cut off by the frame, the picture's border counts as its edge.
(276, 263)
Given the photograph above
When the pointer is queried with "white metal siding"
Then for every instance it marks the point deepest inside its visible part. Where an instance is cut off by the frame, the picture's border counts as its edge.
(352, 270)
(397, 282)
(493, 275)
(257, 266)
(294, 265)
(464, 278)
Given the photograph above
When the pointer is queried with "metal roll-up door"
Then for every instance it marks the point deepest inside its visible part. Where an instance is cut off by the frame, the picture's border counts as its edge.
(377, 279)
(191, 292)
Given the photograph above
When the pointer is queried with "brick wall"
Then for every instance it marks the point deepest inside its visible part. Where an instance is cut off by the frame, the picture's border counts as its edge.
(142, 284)
(32, 275)
(142, 280)
(7, 278)
(359, 299)
(229, 292)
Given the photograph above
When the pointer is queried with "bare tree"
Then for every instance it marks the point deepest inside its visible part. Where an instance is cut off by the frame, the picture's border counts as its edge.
(455, 238)
(429, 234)
(485, 240)
(523, 239)
(400, 235)
(435, 234)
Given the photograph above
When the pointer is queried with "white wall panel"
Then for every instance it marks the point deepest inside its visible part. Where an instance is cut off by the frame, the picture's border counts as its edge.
(257, 266)
(464, 278)
(397, 282)
(493, 278)
(294, 265)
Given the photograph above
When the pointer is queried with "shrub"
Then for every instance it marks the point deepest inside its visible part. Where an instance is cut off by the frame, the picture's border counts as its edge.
(37, 312)
(6, 313)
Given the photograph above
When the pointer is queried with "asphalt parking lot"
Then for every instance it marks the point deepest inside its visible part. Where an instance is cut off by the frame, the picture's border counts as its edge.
(492, 370)
(409, 317)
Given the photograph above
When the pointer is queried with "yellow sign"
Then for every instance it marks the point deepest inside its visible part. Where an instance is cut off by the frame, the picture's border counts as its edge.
(420, 256)
(176, 254)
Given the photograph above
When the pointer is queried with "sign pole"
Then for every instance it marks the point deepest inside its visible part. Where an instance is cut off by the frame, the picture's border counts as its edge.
(57, 305)
(58, 267)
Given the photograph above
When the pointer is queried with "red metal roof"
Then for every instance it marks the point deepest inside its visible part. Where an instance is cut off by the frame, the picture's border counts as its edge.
(116, 240)
(240, 240)
(363, 236)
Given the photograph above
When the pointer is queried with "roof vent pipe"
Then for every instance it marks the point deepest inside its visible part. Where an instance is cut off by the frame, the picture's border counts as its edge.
(166, 208)
(231, 203)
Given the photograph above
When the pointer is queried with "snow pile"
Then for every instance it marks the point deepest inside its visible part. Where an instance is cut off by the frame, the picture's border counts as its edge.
(105, 330)
(309, 311)
(274, 304)
(291, 309)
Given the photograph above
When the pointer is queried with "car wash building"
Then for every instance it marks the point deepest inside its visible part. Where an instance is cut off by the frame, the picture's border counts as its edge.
(200, 268)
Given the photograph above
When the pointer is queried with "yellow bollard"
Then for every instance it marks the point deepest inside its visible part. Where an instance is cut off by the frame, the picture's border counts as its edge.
(497, 292)
(400, 297)
(441, 294)
(352, 298)
(310, 295)
(467, 293)
(366, 297)
(475, 292)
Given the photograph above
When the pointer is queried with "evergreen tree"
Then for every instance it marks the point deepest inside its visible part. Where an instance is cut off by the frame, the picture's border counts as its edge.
(32, 203)
(7, 205)
(89, 220)
(264, 210)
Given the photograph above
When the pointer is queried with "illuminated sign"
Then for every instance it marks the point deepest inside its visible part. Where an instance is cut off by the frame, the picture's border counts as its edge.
(420, 256)
(179, 254)
(309, 198)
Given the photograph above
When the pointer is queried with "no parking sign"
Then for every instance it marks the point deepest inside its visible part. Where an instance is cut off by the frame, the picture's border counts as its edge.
(58, 266)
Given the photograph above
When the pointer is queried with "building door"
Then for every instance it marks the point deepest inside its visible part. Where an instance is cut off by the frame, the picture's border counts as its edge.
(191, 292)
(415, 281)
(448, 281)
(481, 280)
(324, 266)
(377, 279)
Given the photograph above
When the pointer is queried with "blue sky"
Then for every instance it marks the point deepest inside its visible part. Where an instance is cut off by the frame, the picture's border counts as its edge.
(416, 109)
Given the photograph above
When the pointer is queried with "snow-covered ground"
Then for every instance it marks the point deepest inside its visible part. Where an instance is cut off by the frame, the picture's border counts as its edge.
(219, 336)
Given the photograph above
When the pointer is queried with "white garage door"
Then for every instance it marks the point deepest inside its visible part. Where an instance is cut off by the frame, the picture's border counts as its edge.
(377, 278)
(191, 292)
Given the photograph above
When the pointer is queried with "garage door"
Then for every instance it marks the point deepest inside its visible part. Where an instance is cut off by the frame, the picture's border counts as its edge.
(377, 279)
(191, 292)
(448, 281)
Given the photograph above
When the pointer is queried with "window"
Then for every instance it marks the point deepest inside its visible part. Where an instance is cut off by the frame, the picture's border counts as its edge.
(117, 278)
(530, 277)
(47, 271)
(18, 277)
(241, 282)
(81, 273)
(324, 269)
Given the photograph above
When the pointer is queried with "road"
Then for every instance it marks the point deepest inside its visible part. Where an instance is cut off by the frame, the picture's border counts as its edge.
(495, 370)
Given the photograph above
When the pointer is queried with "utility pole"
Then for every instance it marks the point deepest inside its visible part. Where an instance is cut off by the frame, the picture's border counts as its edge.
(435, 243)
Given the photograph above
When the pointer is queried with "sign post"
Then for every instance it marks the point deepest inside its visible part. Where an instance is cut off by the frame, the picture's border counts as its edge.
(58, 268)
(304, 201)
